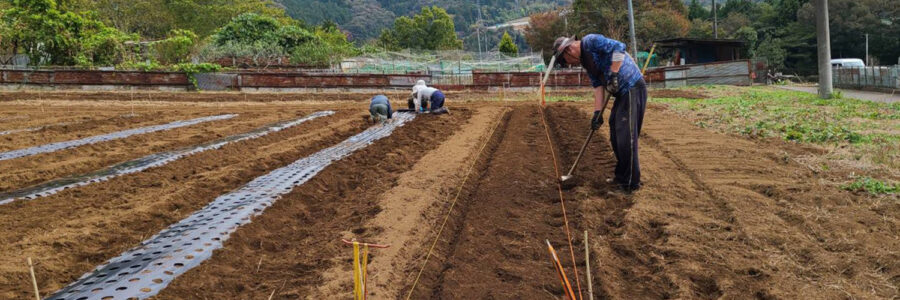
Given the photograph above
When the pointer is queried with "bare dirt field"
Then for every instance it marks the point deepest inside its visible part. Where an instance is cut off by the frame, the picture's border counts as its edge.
(720, 216)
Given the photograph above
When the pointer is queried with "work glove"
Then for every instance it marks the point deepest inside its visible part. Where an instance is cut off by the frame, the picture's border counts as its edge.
(597, 120)
(612, 84)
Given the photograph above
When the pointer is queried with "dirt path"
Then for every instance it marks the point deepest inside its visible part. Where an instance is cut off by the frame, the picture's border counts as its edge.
(72, 232)
(856, 94)
(409, 210)
(494, 246)
(298, 238)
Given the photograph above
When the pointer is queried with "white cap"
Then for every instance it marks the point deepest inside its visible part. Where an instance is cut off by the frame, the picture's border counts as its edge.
(419, 84)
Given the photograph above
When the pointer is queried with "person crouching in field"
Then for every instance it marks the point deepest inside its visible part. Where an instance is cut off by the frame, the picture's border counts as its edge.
(380, 108)
(427, 99)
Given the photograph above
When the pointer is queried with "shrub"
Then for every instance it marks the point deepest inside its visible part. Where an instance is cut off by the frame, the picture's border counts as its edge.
(105, 48)
(246, 29)
(176, 48)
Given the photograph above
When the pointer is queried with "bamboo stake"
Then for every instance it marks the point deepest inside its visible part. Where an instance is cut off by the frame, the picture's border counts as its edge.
(37, 293)
(258, 265)
(587, 262)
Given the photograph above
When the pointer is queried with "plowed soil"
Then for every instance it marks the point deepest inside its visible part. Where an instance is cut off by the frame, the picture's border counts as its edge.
(722, 216)
(421, 196)
(77, 126)
(286, 249)
(719, 217)
(72, 232)
(26, 171)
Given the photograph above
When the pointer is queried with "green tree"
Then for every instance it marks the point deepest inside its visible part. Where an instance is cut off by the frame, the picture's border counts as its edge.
(156, 18)
(700, 29)
(507, 46)
(748, 35)
(660, 23)
(50, 35)
(731, 24)
(609, 17)
(851, 20)
(772, 51)
(204, 17)
(543, 29)
(263, 39)
(736, 6)
(654, 19)
(431, 29)
(697, 11)
(247, 29)
(329, 46)
(106, 47)
(365, 19)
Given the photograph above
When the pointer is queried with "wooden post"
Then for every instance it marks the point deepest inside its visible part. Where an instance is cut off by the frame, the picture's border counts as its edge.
(37, 293)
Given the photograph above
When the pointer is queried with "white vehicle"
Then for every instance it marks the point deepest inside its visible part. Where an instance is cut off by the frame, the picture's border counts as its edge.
(848, 63)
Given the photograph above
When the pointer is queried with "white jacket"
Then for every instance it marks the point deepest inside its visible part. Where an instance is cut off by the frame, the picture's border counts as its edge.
(423, 94)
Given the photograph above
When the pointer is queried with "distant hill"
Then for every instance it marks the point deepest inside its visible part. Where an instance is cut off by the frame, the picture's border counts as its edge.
(365, 19)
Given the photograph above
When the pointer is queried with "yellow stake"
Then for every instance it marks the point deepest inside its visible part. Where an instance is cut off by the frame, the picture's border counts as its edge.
(356, 283)
(359, 271)
(364, 272)
(647, 62)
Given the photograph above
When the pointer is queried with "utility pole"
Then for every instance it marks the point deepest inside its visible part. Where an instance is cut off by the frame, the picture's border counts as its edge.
(478, 29)
(824, 47)
(631, 28)
(867, 51)
(715, 20)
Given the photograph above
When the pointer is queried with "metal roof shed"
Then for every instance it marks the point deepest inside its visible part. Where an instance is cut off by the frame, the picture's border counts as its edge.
(695, 51)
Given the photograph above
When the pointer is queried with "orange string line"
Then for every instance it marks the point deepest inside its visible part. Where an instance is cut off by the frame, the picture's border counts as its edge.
(562, 201)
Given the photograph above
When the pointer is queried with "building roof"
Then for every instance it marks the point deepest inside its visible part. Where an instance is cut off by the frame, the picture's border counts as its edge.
(679, 42)
(517, 24)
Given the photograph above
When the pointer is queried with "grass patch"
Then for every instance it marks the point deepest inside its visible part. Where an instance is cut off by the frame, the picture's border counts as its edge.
(871, 186)
(871, 130)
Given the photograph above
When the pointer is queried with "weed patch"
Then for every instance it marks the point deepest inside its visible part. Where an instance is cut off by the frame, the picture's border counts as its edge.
(872, 186)
(870, 129)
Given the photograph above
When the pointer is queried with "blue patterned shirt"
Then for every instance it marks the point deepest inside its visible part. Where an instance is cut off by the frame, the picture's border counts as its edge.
(596, 58)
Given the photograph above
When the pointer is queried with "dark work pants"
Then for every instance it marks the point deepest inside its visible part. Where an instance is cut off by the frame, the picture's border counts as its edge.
(437, 100)
(624, 140)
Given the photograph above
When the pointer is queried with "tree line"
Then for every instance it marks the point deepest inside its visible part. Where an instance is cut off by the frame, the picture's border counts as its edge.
(365, 19)
(159, 34)
(153, 34)
(780, 32)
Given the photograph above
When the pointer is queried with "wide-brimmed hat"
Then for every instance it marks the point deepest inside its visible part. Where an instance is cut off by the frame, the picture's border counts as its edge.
(561, 44)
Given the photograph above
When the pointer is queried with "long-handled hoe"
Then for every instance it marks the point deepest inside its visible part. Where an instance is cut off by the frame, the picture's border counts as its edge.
(567, 180)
